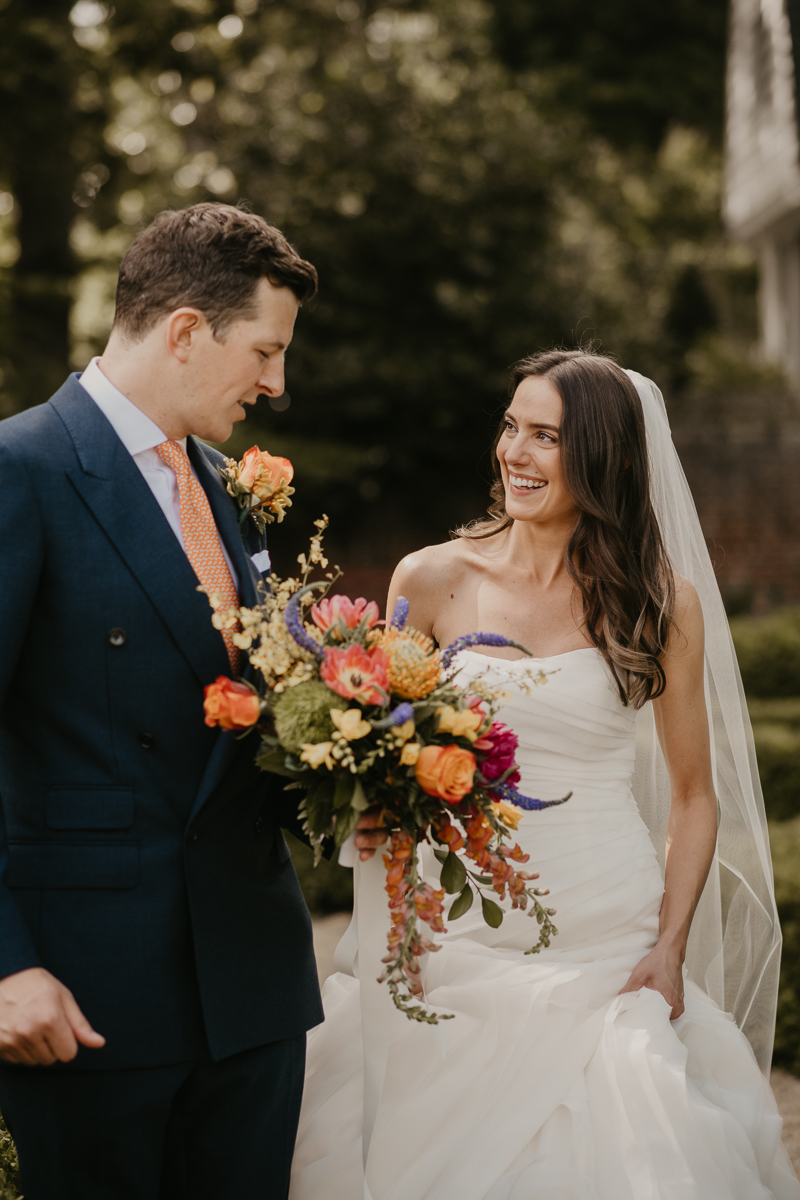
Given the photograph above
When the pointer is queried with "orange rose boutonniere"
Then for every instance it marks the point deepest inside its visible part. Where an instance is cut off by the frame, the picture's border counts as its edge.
(260, 486)
(230, 704)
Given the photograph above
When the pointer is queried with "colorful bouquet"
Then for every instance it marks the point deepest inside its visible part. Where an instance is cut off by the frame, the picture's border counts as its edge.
(355, 714)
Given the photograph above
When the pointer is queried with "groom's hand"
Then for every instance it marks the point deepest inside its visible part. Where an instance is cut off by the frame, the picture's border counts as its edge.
(40, 1023)
(370, 834)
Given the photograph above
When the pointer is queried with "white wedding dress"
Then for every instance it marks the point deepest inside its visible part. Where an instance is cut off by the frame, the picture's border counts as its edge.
(547, 1085)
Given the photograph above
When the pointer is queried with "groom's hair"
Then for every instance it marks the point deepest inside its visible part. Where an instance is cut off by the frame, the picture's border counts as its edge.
(209, 257)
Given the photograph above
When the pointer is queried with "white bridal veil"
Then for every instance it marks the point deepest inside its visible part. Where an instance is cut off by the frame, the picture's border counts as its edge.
(734, 946)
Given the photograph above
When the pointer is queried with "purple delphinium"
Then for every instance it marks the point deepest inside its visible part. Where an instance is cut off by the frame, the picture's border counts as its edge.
(398, 716)
(505, 791)
(294, 623)
(479, 639)
(400, 614)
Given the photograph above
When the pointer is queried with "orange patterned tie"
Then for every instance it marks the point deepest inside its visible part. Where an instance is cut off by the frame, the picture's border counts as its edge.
(201, 537)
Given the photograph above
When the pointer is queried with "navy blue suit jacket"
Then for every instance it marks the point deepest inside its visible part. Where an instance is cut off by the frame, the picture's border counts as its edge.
(141, 858)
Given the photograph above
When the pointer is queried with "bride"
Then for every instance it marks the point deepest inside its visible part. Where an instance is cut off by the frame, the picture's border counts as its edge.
(609, 1066)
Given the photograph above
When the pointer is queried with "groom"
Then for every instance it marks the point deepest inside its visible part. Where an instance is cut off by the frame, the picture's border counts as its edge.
(156, 969)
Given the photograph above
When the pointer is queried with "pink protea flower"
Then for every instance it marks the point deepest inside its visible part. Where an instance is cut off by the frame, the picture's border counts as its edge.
(340, 613)
(357, 674)
(499, 744)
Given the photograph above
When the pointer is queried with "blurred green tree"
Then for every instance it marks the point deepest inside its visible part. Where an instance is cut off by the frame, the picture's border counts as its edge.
(632, 70)
(461, 213)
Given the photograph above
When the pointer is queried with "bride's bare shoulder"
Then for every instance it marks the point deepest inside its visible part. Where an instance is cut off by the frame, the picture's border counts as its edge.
(425, 577)
(427, 568)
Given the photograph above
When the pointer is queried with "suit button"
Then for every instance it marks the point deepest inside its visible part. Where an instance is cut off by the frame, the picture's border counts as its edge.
(146, 741)
(192, 837)
(117, 637)
(259, 825)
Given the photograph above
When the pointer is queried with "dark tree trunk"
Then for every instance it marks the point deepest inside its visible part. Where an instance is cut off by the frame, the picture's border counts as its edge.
(39, 121)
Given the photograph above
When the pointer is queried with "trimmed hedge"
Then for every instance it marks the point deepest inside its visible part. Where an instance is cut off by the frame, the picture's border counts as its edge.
(785, 840)
(768, 649)
(776, 730)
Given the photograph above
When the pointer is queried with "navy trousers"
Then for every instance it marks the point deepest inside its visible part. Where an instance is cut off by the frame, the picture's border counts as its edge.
(199, 1130)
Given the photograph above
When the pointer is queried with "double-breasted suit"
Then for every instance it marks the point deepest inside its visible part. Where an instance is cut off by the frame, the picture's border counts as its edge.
(141, 855)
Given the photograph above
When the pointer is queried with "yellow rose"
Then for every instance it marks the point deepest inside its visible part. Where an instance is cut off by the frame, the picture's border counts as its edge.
(461, 724)
(317, 754)
(351, 724)
(509, 814)
(410, 754)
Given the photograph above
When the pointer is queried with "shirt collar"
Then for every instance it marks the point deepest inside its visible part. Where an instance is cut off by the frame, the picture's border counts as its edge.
(133, 427)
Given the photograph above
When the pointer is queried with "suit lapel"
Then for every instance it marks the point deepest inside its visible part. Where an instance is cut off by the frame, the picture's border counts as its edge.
(113, 489)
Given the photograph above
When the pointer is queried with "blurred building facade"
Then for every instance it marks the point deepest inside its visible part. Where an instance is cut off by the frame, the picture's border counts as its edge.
(762, 185)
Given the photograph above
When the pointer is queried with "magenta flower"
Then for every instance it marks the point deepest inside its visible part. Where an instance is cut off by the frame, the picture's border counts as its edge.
(499, 744)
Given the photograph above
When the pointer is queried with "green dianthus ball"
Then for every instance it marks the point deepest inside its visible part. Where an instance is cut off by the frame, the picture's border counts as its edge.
(302, 714)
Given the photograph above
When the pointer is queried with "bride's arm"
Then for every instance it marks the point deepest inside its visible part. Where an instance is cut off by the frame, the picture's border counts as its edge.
(682, 724)
(419, 577)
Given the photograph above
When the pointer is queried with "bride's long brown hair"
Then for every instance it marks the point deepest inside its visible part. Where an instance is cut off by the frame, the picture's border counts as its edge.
(615, 554)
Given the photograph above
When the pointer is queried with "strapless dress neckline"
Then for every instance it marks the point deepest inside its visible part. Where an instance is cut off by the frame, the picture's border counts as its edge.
(531, 657)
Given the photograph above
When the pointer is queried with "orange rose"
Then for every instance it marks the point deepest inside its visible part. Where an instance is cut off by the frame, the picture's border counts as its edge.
(446, 772)
(262, 474)
(231, 705)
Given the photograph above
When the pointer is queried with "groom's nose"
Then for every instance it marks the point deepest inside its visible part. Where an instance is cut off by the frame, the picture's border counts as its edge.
(272, 378)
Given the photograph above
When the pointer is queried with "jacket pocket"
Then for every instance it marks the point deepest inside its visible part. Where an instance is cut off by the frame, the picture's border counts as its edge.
(89, 808)
(53, 865)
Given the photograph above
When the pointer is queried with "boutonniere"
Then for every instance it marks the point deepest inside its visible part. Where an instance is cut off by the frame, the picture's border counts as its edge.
(260, 486)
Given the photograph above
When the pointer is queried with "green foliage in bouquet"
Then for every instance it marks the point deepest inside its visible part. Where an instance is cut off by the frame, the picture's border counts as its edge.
(303, 714)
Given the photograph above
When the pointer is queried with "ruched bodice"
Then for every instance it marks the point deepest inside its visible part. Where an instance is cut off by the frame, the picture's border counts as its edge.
(548, 1084)
(593, 852)
(574, 732)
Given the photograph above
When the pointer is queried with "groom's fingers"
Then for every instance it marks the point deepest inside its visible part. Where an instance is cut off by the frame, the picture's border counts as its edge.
(40, 1022)
(79, 1026)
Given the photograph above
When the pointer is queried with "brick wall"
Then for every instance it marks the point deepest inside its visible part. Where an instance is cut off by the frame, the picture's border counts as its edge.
(741, 456)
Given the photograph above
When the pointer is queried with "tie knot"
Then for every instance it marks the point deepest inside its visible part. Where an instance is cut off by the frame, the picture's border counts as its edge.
(174, 456)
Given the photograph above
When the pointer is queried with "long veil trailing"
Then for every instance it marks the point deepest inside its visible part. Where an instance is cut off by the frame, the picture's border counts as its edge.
(734, 946)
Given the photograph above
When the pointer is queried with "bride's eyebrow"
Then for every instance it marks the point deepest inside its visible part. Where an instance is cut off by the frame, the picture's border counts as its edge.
(534, 424)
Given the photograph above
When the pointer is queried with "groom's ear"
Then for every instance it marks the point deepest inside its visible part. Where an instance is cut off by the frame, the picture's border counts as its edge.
(181, 330)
